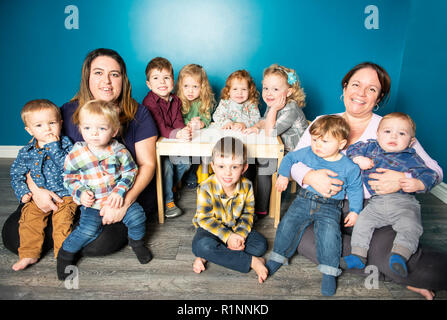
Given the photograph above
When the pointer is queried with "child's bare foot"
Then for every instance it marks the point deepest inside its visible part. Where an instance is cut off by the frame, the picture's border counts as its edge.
(198, 265)
(258, 264)
(23, 263)
(427, 294)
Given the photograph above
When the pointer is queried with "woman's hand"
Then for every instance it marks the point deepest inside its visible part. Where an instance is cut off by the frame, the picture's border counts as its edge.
(411, 185)
(43, 198)
(385, 181)
(322, 181)
(111, 215)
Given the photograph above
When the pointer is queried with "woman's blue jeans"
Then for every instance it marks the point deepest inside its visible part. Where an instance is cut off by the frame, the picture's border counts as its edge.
(90, 226)
(173, 170)
(209, 247)
(325, 213)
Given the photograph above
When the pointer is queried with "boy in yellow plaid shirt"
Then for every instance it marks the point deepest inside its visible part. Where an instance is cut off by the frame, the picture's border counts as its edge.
(225, 212)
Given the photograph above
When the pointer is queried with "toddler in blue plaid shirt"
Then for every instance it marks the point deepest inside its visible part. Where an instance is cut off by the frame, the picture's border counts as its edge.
(392, 150)
(99, 171)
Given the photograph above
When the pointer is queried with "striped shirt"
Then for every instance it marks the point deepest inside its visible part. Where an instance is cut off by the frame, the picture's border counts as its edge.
(222, 215)
(112, 171)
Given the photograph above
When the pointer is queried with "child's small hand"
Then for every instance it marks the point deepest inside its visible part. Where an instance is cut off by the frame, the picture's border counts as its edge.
(185, 134)
(50, 138)
(87, 198)
(196, 124)
(281, 183)
(279, 103)
(236, 242)
(26, 197)
(411, 185)
(351, 219)
(114, 200)
(238, 126)
(228, 126)
(251, 130)
(363, 162)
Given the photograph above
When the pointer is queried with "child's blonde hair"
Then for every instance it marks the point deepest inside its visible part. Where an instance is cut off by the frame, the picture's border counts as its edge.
(291, 78)
(333, 125)
(253, 94)
(107, 109)
(403, 116)
(230, 147)
(206, 96)
(39, 105)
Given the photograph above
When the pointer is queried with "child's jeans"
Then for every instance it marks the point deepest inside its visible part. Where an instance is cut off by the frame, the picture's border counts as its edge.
(90, 226)
(173, 170)
(325, 213)
(33, 222)
(209, 247)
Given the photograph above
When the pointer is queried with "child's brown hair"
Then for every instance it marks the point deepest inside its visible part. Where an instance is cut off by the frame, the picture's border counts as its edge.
(253, 94)
(159, 63)
(230, 147)
(38, 105)
(291, 78)
(333, 125)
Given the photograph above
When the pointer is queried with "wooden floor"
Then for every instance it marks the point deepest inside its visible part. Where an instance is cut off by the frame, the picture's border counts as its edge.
(169, 275)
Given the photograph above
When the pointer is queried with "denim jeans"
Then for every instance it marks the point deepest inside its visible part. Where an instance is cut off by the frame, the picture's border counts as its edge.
(173, 170)
(90, 226)
(325, 213)
(209, 247)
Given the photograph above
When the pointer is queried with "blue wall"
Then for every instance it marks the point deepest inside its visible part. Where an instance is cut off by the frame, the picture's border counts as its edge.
(321, 39)
(423, 76)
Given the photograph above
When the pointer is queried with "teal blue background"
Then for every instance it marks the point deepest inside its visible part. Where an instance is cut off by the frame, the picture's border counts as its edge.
(320, 39)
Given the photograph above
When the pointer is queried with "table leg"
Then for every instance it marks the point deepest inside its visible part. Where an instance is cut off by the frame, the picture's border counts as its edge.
(159, 182)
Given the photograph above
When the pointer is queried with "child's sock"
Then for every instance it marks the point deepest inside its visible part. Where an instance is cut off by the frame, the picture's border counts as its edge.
(64, 259)
(398, 264)
(272, 266)
(328, 285)
(352, 261)
(143, 254)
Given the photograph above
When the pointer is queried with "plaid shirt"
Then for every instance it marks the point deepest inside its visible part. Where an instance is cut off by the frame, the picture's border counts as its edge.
(404, 161)
(45, 165)
(221, 215)
(113, 171)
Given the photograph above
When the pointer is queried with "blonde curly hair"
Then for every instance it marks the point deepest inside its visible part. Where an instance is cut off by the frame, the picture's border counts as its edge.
(206, 96)
(298, 94)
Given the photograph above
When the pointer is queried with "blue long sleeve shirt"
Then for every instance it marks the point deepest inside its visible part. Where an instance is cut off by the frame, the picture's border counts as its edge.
(45, 165)
(347, 171)
(404, 161)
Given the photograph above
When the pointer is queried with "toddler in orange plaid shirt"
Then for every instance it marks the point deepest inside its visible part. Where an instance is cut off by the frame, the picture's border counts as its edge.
(99, 171)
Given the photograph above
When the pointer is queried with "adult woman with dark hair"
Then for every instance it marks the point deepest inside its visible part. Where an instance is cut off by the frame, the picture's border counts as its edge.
(365, 88)
(104, 77)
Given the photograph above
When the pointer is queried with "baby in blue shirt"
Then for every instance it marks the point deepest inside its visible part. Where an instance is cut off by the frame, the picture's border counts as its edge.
(329, 136)
(392, 150)
(43, 160)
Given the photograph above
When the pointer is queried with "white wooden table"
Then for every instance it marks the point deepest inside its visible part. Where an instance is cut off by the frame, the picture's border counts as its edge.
(201, 145)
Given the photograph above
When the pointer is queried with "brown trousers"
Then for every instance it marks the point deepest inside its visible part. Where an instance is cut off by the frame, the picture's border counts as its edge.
(33, 222)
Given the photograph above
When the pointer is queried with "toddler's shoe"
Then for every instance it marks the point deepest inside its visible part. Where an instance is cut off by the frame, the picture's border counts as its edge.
(398, 265)
(352, 261)
(172, 211)
(143, 254)
(328, 285)
(64, 259)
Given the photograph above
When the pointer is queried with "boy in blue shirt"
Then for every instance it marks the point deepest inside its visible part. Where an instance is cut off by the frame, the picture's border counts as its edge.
(43, 159)
(329, 136)
(392, 150)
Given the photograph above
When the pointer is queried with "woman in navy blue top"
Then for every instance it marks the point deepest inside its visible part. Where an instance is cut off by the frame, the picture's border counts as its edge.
(104, 77)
